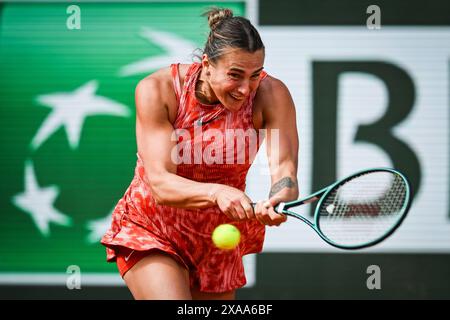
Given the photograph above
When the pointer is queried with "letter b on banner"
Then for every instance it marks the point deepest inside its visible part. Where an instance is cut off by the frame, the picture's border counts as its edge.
(400, 95)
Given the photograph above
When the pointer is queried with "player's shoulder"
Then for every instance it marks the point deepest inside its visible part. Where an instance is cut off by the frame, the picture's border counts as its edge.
(270, 86)
(158, 80)
(157, 89)
(271, 92)
(154, 93)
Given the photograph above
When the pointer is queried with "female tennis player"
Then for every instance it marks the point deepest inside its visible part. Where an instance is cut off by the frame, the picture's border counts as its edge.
(160, 235)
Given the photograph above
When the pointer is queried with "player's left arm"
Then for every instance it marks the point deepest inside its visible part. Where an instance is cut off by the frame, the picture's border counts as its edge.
(282, 141)
(279, 119)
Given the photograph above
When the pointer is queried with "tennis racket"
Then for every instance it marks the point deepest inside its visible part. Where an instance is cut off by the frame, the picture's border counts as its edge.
(358, 211)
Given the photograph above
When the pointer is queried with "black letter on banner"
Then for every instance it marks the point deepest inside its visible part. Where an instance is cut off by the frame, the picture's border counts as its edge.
(401, 95)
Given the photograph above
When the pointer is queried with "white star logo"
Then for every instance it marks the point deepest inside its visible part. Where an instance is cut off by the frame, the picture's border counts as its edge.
(98, 228)
(176, 50)
(38, 202)
(71, 108)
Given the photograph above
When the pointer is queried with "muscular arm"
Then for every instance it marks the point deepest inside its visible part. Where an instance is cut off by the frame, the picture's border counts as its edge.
(153, 132)
(282, 139)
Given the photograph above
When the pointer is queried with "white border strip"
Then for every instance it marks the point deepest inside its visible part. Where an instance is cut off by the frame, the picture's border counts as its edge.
(58, 279)
(252, 11)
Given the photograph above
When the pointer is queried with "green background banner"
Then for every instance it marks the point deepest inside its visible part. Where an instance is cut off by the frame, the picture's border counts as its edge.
(67, 150)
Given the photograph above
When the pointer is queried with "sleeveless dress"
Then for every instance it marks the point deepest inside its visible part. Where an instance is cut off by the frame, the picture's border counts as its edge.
(209, 153)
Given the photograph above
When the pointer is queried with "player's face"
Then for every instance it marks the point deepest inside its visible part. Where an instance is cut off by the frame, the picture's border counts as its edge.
(234, 76)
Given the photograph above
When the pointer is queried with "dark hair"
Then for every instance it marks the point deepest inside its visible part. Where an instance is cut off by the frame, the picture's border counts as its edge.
(229, 31)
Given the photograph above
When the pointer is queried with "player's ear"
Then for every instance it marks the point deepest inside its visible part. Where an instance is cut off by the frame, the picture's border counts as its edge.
(206, 64)
(205, 61)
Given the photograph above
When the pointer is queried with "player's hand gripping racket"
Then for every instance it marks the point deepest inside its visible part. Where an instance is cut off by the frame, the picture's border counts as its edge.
(358, 211)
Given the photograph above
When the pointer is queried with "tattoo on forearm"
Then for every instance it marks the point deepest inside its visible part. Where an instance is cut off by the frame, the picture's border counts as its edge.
(285, 182)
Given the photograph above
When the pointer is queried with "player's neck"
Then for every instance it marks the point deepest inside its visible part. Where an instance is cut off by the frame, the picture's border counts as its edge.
(204, 92)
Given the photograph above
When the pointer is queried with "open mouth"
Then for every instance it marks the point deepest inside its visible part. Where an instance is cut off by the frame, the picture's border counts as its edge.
(237, 98)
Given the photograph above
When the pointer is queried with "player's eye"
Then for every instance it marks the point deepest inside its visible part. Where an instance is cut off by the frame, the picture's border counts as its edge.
(234, 75)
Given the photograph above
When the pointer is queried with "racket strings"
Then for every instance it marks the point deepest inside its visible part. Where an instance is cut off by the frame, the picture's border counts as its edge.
(363, 209)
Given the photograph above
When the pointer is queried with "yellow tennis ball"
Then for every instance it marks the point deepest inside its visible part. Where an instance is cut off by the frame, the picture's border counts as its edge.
(226, 236)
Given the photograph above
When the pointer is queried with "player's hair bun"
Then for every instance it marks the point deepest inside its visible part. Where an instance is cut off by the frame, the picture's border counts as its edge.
(217, 15)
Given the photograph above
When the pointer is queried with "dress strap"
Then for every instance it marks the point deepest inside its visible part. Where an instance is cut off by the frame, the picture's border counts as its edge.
(263, 75)
(175, 70)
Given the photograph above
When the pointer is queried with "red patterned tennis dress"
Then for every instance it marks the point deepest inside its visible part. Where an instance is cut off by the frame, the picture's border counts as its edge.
(139, 225)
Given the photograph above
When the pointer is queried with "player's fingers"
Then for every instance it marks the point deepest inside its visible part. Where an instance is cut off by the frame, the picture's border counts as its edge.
(248, 209)
(272, 218)
(265, 213)
(276, 218)
(258, 212)
(274, 201)
(240, 212)
(230, 212)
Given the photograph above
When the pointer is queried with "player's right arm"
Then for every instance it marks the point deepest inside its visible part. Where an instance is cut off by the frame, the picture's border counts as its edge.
(154, 133)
